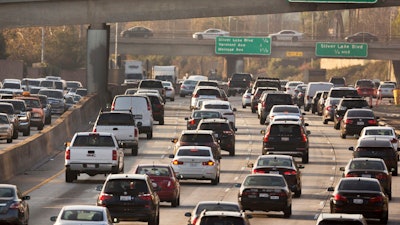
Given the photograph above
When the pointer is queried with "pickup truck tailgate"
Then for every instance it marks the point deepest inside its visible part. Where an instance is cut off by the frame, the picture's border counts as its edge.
(120, 132)
(89, 154)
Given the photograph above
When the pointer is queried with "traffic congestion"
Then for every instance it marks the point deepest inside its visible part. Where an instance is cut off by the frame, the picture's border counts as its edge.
(268, 160)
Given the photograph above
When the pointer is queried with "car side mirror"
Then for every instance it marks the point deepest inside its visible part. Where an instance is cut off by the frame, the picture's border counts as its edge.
(262, 131)
(330, 189)
(238, 185)
(341, 168)
(234, 109)
(99, 187)
(53, 218)
(351, 148)
(308, 132)
(174, 140)
(188, 214)
(186, 118)
(171, 156)
(139, 124)
(306, 124)
(300, 166)
(250, 165)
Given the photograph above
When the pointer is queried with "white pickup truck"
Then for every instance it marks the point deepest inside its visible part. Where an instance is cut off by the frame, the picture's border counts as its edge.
(92, 153)
(122, 125)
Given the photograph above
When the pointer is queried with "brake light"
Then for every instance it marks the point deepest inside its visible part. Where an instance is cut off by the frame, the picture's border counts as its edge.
(145, 197)
(328, 108)
(258, 171)
(183, 87)
(208, 163)
(381, 176)
(263, 104)
(105, 197)
(280, 194)
(351, 175)
(376, 199)
(68, 154)
(266, 137)
(303, 136)
(113, 107)
(339, 197)
(228, 132)
(394, 140)
(195, 95)
(290, 172)
(348, 121)
(148, 106)
(136, 132)
(114, 155)
(94, 129)
(372, 122)
(192, 122)
(177, 162)
(195, 220)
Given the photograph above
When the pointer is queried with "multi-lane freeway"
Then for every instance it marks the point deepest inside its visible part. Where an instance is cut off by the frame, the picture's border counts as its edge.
(49, 192)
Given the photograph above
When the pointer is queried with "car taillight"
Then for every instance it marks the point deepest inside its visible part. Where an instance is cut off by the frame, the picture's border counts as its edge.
(14, 205)
(195, 220)
(266, 137)
(280, 193)
(192, 122)
(303, 136)
(114, 155)
(183, 87)
(177, 162)
(113, 107)
(372, 122)
(246, 96)
(263, 104)
(145, 197)
(351, 175)
(381, 176)
(94, 129)
(195, 96)
(376, 199)
(136, 132)
(290, 172)
(228, 132)
(249, 192)
(105, 197)
(339, 197)
(328, 108)
(208, 163)
(348, 121)
(394, 140)
(68, 154)
(148, 106)
(258, 171)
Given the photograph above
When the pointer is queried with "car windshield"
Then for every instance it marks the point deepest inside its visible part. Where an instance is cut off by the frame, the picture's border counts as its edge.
(222, 220)
(82, 215)
(154, 171)
(359, 185)
(264, 181)
(193, 152)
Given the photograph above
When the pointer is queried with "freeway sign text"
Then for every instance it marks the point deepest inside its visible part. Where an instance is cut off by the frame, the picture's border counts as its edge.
(333, 49)
(335, 1)
(243, 46)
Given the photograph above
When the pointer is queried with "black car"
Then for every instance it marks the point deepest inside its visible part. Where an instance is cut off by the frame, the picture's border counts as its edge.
(345, 104)
(287, 138)
(270, 99)
(255, 97)
(157, 106)
(138, 31)
(131, 197)
(370, 167)
(377, 148)
(223, 131)
(265, 192)
(14, 207)
(197, 115)
(360, 195)
(362, 37)
(354, 120)
(280, 164)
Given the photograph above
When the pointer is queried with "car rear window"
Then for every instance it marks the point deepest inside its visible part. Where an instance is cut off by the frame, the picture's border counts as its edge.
(216, 106)
(286, 109)
(6, 192)
(274, 162)
(285, 130)
(116, 119)
(279, 99)
(379, 132)
(154, 171)
(151, 84)
(94, 140)
(193, 152)
(359, 185)
(214, 126)
(216, 220)
(203, 114)
(200, 138)
(343, 93)
(208, 92)
(365, 83)
(361, 113)
(128, 186)
(217, 207)
(264, 181)
(367, 165)
(355, 103)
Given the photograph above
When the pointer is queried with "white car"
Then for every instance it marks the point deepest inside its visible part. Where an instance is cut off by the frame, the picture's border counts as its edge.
(286, 35)
(292, 110)
(84, 214)
(169, 90)
(291, 85)
(246, 98)
(381, 132)
(385, 90)
(204, 92)
(224, 107)
(196, 162)
(211, 33)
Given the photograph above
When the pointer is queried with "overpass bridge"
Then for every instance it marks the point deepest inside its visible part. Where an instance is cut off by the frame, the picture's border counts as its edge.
(97, 13)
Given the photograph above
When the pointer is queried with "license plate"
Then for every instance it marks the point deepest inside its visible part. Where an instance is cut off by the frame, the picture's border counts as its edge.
(264, 195)
(274, 197)
(360, 123)
(274, 172)
(125, 198)
(252, 196)
(193, 164)
(284, 138)
(90, 166)
(358, 201)
(138, 116)
(366, 175)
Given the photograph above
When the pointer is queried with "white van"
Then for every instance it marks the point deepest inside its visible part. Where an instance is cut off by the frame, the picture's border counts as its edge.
(140, 107)
(312, 88)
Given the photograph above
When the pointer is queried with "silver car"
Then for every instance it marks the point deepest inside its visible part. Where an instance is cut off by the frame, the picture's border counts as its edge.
(6, 128)
(84, 214)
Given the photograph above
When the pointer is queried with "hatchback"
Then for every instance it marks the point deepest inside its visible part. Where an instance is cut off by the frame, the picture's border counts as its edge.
(211, 206)
(130, 197)
(265, 192)
(280, 164)
(165, 177)
(354, 120)
(196, 162)
(360, 195)
(224, 107)
(187, 87)
(370, 167)
(14, 206)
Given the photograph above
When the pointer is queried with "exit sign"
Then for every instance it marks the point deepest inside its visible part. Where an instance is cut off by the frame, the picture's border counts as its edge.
(335, 1)
(243, 45)
(341, 50)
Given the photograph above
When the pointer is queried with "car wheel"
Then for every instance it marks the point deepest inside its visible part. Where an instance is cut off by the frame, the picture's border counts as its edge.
(389, 195)
(343, 135)
(150, 134)
(134, 150)
(200, 37)
(232, 151)
(295, 39)
(161, 122)
(385, 218)
(336, 126)
(40, 127)
(27, 132)
(243, 106)
(175, 202)
(155, 220)
(47, 121)
(70, 176)
(15, 134)
(274, 38)
(305, 158)
(146, 36)
(172, 99)
(262, 120)
(253, 110)
(287, 212)
(215, 181)
(325, 121)
(297, 193)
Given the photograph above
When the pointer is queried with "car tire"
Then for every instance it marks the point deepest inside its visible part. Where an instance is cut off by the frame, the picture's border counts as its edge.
(175, 202)
(336, 126)
(161, 121)
(295, 39)
(47, 121)
(343, 135)
(305, 158)
(232, 151)
(9, 140)
(389, 195)
(134, 151)
(155, 220)
(262, 120)
(40, 127)
(15, 134)
(150, 134)
(297, 193)
(27, 132)
(70, 176)
(253, 110)
(325, 121)
(215, 181)
(274, 38)
(243, 106)
(172, 99)
(385, 218)
(199, 37)
(287, 212)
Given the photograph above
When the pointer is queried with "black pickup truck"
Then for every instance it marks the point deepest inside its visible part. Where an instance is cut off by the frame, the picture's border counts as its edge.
(239, 83)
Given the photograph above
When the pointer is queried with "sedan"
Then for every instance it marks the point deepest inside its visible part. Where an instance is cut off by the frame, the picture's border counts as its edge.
(211, 206)
(246, 98)
(362, 37)
(197, 115)
(164, 176)
(14, 207)
(360, 195)
(381, 132)
(138, 31)
(6, 128)
(83, 214)
(265, 192)
(286, 35)
(169, 90)
(385, 90)
(354, 120)
(370, 167)
(280, 164)
(210, 34)
(288, 110)
(196, 162)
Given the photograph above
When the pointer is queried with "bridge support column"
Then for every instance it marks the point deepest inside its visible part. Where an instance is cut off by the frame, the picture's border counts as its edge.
(97, 58)
(233, 64)
(396, 71)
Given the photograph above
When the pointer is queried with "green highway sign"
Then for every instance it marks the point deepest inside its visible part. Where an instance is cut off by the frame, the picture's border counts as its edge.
(335, 1)
(341, 50)
(243, 46)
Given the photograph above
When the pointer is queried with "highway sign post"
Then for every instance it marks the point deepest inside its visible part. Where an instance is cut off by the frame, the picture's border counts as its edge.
(341, 50)
(335, 1)
(243, 46)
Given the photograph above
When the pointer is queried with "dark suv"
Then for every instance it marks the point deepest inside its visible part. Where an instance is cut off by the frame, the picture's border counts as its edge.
(130, 197)
(255, 97)
(273, 98)
(239, 82)
(287, 138)
(223, 131)
(377, 148)
(198, 137)
(344, 105)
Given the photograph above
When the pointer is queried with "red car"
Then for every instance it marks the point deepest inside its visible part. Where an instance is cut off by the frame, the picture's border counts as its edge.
(365, 88)
(164, 176)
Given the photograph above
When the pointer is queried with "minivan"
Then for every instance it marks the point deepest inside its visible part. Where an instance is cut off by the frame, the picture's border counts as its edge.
(140, 107)
(311, 89)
